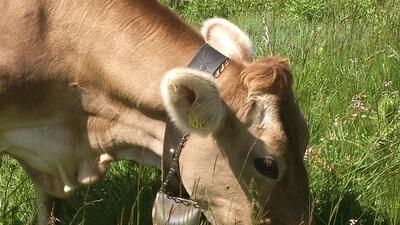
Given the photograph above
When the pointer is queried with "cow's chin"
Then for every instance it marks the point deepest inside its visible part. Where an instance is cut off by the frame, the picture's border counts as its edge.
(223, 204)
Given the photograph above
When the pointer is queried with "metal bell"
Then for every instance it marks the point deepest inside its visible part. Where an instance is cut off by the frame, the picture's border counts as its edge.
(175, 211)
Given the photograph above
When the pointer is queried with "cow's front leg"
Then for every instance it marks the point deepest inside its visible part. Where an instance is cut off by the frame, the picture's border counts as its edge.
(49, 208)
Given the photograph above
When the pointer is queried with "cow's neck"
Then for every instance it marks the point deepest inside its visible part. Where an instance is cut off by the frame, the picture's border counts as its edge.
(129, 45)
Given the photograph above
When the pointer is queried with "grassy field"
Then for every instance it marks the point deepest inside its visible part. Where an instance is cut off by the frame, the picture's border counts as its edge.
(345, 57)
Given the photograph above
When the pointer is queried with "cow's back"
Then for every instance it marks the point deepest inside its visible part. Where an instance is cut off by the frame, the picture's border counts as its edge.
(21, 51)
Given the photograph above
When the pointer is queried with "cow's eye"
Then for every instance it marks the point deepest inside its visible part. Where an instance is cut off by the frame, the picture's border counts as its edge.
(267, 166)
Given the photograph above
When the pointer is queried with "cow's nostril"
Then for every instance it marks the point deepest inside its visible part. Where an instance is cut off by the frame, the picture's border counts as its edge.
(265, 222)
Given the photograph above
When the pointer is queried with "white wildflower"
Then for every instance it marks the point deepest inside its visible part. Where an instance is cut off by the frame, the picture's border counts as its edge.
(354, 61)
(353, 221)
(308, 152)
(358, 105)
(336, 122)
(387, 83)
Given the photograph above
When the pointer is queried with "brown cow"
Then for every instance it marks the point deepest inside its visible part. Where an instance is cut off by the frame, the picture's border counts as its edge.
(80, 88)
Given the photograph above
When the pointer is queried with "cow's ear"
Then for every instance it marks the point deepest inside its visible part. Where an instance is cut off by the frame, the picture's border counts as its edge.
(228, 39)
(192, 100)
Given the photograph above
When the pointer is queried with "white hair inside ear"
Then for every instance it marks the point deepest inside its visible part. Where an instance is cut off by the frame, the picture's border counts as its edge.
(192, 100)
(228, 39)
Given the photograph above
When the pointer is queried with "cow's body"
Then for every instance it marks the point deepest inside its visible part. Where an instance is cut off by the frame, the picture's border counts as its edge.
(72, 66)
(79, 88)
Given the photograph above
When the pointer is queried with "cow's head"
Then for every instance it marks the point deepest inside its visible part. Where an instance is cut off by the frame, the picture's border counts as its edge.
(244, 160)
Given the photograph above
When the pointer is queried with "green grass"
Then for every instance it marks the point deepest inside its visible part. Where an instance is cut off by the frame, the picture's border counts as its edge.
(345, 57)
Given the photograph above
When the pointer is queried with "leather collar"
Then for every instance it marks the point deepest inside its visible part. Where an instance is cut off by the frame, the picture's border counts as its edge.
(208, 60)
